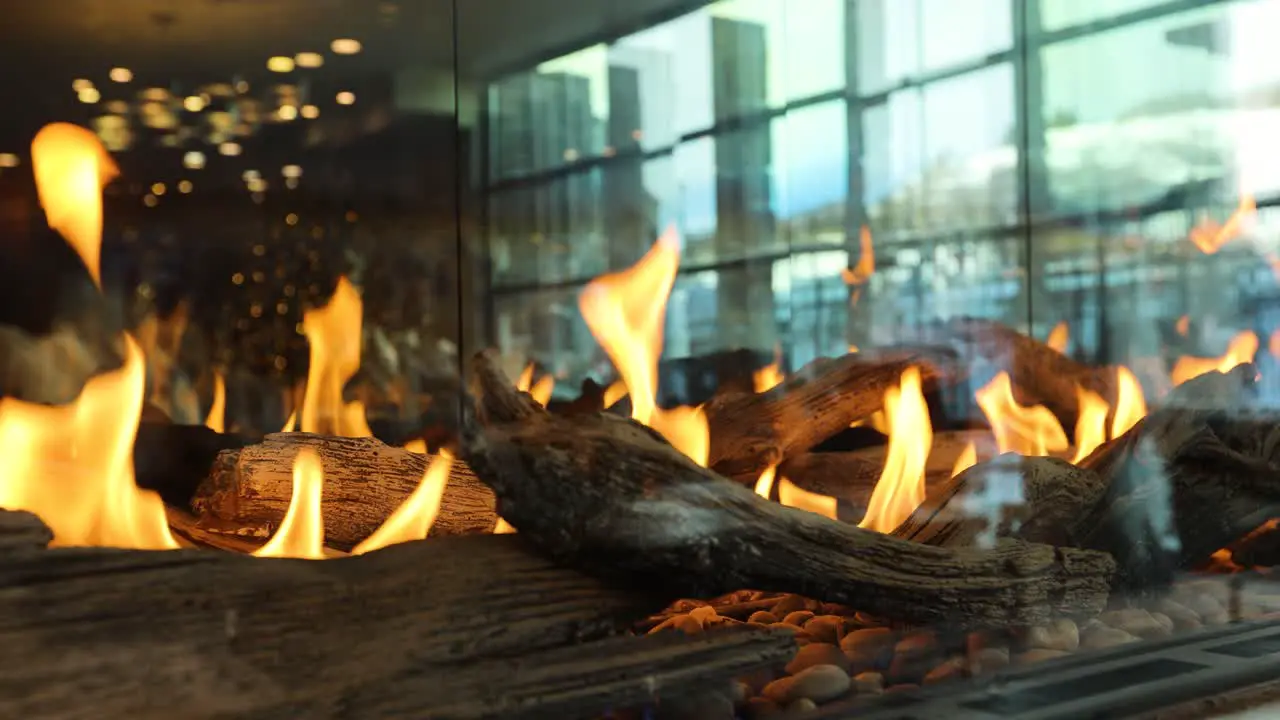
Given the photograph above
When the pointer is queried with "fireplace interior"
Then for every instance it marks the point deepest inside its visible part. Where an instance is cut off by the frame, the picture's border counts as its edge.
(661, 359)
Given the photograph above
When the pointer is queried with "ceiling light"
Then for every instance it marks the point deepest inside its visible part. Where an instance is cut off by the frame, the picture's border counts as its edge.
(229, 149)
(291, 171)
(250, 175)
(309, 59)
(8, 160)
(345, 46)
(280, 64)
(287, 112)
(157, 189)
(346, 97)
(193, 160)
(185, 186)
(193, 103)
(80, 85)
(120, 74)
(310, 112)
(89, 95)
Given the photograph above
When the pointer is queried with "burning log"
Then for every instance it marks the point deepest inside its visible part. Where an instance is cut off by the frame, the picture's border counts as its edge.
(465, 627)
(853, 475)
(753, 431)
(1196, 475)
(611, 497)
(249, 489)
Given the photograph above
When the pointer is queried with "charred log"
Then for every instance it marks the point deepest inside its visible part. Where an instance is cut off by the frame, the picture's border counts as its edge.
(248, 490)
(611, 497)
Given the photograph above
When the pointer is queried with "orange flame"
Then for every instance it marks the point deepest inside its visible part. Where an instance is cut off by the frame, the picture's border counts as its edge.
(764, 485)
(967, 459)
(1183, 326)
(861, 272)
(291, 423)
(71, 167)
(1131, 406)
(1025, 430)
(503, 528)
(416, 445)
(334, 334)
(413, 519)
(217, 418)
(301, 533)
(797, 497)
(1059, 337)
(615, 392)
(1273, 343)
(901, 487)
(769, 376)
(625, 312)
(1209, 236)
(1091, 423)
(1242, 349)
(539, 391)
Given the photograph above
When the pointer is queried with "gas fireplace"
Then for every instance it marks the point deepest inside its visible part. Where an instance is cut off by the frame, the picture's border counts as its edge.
(691, 361)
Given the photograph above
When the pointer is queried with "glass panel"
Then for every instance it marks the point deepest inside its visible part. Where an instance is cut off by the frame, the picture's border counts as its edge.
(900, 39)
(1058, 14)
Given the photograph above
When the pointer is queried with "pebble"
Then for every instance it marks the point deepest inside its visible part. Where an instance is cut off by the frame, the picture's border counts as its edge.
(869, 648)
(1105, 637)
(763, 617)
(800, 707)
(817, 654)
(706, 706)
(989, 659)
(1038, 655)
(952, 669)
(1061, 634)
(868, 683)
(1183, 617)
(913, 657)
(819, 683)
(1204, 605)
(799, 617)
(759, 708)
(789, 604)
(826, 628)
(1136, 622)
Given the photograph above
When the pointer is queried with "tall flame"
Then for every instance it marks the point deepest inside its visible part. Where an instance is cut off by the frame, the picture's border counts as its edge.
(301, 533)
(539, 391)
(1242, 349)
(1025, 430)
(625, 312)
(1059, 337)
(901, 487)
(333, 332)
(71, 167)
(764, 484)
(413, 519)
(1131, 406)
(769, 376)
(967, 459)
(217, 418)
(1091, 423)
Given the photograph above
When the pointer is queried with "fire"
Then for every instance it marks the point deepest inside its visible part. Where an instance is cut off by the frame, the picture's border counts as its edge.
(1209, 236)
(858, 275)
(413, 519)
(625, 312)
(1183, 326)
(797, 497)
(1242, 349)
(1273, 343)
(1091, 423)
(615, 392)
(503, 528)
(71, 167)
(292, 423)
(217, 418)
(334, 334)
(1059, 336)
(769, 376)
(764, 485)
(901, 487)
(967, 459)
(1025, 430)
(541, 390)
(416, 445)
(1131, 406)
(301, 533)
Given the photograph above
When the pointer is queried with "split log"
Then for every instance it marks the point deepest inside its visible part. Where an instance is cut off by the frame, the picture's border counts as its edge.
(1199, 473)
(99, 632)
(611, 497)
(753, 431)
(174, 460)
(248, 490)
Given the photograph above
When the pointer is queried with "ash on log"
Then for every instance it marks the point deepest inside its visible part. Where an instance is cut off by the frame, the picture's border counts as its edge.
(754, 431)
(611, 497)
(1196, 475)
(248, 489)
(471, 627)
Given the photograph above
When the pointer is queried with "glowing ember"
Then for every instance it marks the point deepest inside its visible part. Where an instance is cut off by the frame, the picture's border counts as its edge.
(1242, 349)
(217, 418)
(301, 533)
(901, 487)
(333, 332)
(413, 519)
(71, 167)
(541, 390)
(1024, 430)
(792, 496)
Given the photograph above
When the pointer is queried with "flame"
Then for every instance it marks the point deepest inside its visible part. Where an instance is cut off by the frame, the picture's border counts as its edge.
(967, 459)
(73, 465)
(1131, 406)
(1025, 430)
(901, 487)
(853, 348)
(1183, 326)
(793, 496)
(334, 334)
(1273, 343)
(1242, 349)
(503, 528)
(301, 533)
(291, 423)
(416, 445)
(764, 485)
(769, 376)
(625, 312)
(1059, 336)
(413, 519)
(541, 390)
(71, 167)
(217, 418)
(615, 392)
(1091, 423)
(1209, 236)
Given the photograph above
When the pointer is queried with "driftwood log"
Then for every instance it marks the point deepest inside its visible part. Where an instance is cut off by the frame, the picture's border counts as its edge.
(753, 431)
(469, 627)
(248, 489)
(611, 497)
(1196, 475)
